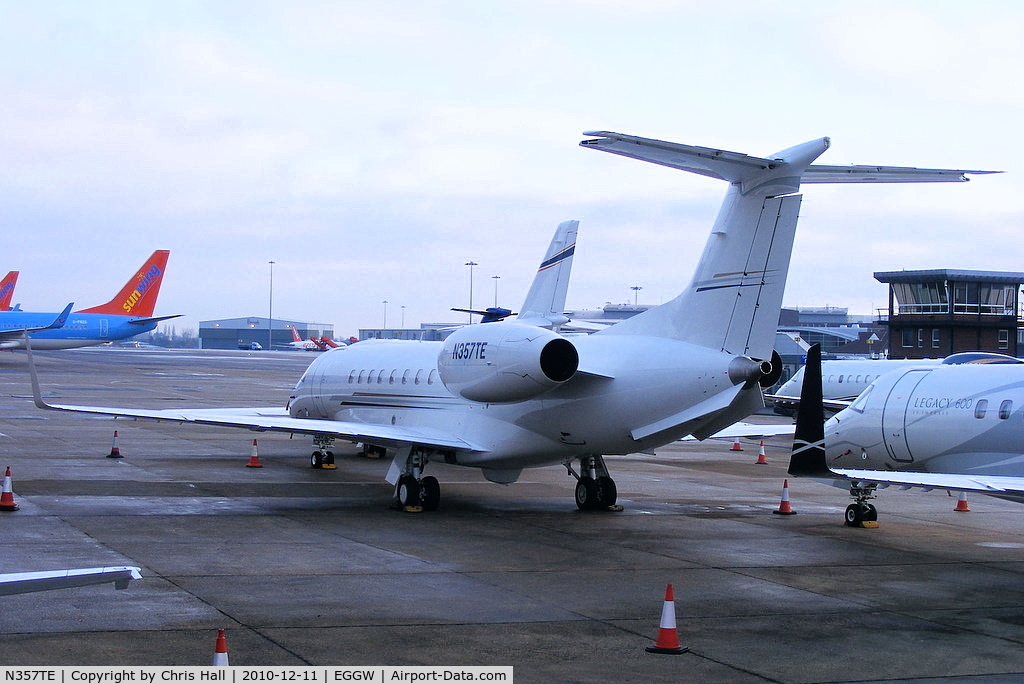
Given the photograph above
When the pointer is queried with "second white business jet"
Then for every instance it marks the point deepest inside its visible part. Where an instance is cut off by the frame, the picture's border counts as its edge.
(506, 396)
(955, 427)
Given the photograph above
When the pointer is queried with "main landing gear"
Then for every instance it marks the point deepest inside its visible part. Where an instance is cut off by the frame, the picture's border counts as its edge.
(322, 456)
(595, 489)
(413, 491)
(860, 513)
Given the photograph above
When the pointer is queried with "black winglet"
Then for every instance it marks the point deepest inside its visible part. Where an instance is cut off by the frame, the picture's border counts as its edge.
(808, 457)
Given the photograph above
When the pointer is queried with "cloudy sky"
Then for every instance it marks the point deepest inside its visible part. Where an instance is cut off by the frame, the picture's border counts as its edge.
(371, 149)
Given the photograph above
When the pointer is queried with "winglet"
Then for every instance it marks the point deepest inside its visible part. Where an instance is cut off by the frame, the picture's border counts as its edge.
(808, 457)
(61, 319)
(37, 394)
(139, 294)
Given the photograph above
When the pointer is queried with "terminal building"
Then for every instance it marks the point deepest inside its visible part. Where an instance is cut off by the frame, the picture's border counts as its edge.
(255, 332)
(938, 312)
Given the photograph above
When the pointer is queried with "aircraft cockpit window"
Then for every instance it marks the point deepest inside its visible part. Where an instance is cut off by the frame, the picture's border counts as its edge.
(1005, 409)
(860, 402)
(980, 408)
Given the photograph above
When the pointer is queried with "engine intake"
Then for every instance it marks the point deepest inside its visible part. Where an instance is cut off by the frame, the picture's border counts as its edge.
(505, 362)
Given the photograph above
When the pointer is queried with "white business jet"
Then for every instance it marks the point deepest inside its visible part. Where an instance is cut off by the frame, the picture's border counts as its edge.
(955, 427)
(506, 396)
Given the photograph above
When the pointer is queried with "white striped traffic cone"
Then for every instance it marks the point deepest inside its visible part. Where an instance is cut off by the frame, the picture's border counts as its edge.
(114, 451)
(668, 638)
(220, 650)
(7, 497)
(736, 444)
(961, 504)
(784, 507)
(761, 458)
(254, 460)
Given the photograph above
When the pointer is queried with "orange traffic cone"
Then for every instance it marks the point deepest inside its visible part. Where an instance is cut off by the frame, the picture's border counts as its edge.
(254, 460)
(114, 451)
(668, 639)
(7, 498)
(220, 650)
(761, 458)
(736, 444)
(784, 507)
(961, 504)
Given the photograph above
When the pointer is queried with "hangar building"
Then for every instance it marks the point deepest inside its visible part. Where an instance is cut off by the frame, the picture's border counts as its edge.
(244, 333)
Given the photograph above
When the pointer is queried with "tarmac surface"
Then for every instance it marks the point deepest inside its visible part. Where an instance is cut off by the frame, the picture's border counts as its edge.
(304, 566)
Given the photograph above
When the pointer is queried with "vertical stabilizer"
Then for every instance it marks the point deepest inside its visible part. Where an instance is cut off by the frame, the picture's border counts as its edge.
(733, 302)
(7, 290)
(808, 458)
(545, 302)
(138, 297)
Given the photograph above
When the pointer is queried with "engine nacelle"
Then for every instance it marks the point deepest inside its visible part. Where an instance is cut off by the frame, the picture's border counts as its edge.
(505, 362)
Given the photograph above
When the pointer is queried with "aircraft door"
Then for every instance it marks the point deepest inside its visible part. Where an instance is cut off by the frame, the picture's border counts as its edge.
(894, 416)
(103, 329)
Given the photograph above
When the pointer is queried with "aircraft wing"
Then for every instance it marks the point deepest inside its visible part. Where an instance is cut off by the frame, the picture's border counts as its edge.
(743, 429)
(26, 582)
(8, 337)
(833, 405)
(268, 419)
(987, 484)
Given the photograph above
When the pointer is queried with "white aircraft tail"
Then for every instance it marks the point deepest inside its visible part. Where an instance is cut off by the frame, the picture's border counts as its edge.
(733, 302)
(545, 302)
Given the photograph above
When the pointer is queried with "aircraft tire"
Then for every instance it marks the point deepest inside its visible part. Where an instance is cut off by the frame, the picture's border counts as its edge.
(607, 493)
(854, 515)
(431, 493)
(316, 460)
(408, 491)
(587, 496)
(329, 458)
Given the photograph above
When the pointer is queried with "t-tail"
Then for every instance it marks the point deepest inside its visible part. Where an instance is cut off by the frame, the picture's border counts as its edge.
(138, 296)
(545, 302)
(733, 302)
(808, 457)
(7, 290)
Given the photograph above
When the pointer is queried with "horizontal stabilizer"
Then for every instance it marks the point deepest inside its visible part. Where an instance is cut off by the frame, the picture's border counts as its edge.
(26, 582)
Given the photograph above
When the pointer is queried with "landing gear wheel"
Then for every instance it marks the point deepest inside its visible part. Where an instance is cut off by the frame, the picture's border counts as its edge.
(408, 491)
(870, 513)
(431, 493)
(587, 495)
(606, 491)
(853, 517)
(316, 460)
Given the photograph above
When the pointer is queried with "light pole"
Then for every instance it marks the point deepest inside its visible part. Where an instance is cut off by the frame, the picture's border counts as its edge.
(270, 316)
(403, 316)
(385, 314)
(496, 279)
(471, 264)
(636, 293)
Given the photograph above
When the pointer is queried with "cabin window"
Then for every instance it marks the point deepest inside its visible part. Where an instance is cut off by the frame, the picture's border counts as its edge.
(380, 378)
(840, 379)
(394, 374)
(858, 379)
(419, 376)
(1005, 409)
(352, 376)
(362, 376)
(405, 376)
(371, 376)
(432, 378)
(980, 408)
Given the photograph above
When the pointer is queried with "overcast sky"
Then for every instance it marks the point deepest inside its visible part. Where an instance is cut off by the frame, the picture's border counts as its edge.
(371, 149)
